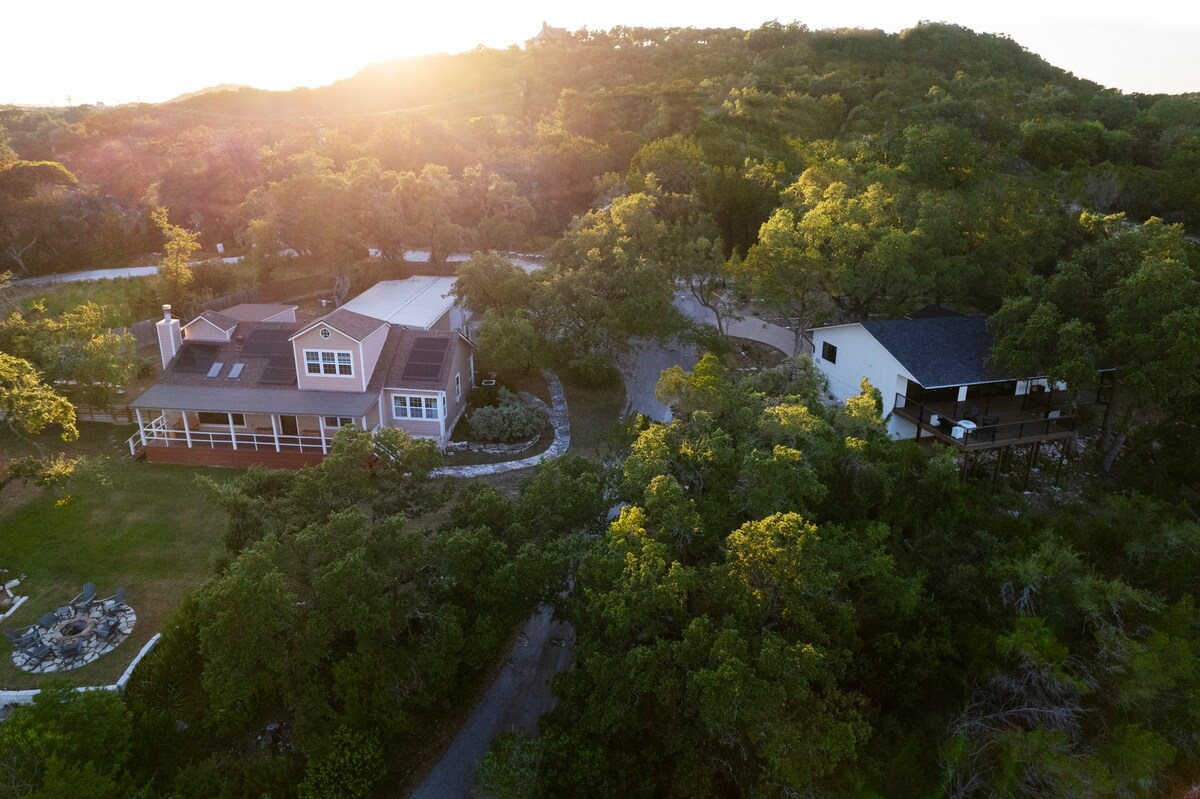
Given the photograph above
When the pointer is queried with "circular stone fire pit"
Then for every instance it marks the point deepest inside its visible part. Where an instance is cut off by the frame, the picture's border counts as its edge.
(74, 628)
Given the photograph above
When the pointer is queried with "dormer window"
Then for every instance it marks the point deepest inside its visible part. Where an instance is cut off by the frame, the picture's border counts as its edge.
(328, 362)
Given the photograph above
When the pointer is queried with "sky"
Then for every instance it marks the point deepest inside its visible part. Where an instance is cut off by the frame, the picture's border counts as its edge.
(61, 52)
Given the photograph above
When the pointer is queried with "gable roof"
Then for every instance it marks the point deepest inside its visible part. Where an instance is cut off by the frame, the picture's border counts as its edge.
(352, 324)
(220, 320)
(940, 351)
(256, 311)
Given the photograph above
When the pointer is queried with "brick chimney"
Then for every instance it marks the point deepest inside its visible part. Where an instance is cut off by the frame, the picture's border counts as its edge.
(170, 336)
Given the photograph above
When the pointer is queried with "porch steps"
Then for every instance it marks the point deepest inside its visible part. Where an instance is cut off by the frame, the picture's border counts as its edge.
(231, 459)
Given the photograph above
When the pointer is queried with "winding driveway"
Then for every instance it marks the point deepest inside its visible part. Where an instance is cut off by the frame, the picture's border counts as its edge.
(516, 699)
(641, 371)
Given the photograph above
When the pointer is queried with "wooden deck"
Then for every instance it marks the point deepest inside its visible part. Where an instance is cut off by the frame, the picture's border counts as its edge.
(229, 458)
(999, 421)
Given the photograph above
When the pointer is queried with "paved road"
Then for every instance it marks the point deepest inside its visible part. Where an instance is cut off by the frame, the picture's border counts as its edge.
(748, 327)
(528, 261)
(518, 697)
(641, 372)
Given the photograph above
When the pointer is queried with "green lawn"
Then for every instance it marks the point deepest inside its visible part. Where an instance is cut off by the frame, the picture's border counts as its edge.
(150, 530)
(593, 412)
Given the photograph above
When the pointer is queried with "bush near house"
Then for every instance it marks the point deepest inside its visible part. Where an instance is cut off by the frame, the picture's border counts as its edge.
(510, 420)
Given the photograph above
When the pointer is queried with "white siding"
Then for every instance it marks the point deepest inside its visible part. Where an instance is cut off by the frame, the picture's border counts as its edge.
(859, 355)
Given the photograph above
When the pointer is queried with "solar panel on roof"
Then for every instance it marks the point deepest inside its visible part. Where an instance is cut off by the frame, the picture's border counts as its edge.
(426, 358)
(267, 343)
(195, 357)
(278, 376)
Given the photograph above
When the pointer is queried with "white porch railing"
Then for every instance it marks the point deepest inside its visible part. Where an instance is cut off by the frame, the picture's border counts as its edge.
(157, 432)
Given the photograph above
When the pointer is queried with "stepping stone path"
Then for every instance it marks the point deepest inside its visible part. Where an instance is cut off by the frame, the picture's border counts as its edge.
(93, 646)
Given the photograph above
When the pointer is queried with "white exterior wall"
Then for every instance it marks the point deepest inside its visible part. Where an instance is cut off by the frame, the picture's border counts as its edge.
(200, 329)
(170, 339)
(859, 355)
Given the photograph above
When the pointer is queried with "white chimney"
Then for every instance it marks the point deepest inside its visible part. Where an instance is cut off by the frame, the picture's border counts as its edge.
(170, 336)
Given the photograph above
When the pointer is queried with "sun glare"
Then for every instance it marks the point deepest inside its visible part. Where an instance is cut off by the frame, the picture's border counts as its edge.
(152, 52)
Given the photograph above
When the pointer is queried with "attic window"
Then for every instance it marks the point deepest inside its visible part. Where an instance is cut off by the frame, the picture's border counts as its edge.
(828, 352)
(325, 332)
(215, 369)
(235, 371)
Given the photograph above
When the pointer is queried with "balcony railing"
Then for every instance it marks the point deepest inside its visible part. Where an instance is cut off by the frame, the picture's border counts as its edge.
(158, 433)
(1039, 422)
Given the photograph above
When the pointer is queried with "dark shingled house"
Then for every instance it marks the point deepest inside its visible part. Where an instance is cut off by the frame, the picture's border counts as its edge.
(936, 378)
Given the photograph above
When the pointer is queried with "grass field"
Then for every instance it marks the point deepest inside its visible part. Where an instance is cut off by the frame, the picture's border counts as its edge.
(150, 530)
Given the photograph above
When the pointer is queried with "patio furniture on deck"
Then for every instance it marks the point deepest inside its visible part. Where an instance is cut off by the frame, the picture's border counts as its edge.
(961, 428)
(83, 600)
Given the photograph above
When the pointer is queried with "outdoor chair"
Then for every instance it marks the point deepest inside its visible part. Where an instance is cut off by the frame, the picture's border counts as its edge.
(116, 601)
(84, 600)
(106, 628)
(23, 640)
(48, 621)
(70, 649)
(38, 652)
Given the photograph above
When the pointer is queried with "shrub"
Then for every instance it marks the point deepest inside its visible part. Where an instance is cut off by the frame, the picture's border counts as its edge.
(510, 420)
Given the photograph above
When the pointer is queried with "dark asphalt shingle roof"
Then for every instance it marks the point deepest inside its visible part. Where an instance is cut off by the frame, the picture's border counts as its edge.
(219, 319)
(353, 324)
(224, 398)
(395, 371)
(940, 351)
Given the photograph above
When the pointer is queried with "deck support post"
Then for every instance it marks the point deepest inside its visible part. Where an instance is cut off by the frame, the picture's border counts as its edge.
(141, 427)
(187, 429)
(232, 435)
(275, 430)
(1033, 454)
(1062, 457)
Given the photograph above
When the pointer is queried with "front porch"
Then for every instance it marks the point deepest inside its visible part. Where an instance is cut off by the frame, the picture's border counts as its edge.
(996, 421)
(244, 439)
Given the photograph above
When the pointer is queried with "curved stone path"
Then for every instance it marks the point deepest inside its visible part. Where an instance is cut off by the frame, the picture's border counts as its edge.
(559, 420)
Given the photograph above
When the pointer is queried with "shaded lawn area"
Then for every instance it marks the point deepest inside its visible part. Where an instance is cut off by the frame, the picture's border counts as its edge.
(150, 530)
(594, 412)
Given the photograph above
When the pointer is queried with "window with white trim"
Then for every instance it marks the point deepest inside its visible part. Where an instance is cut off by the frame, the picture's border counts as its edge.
(329, 362)
(338, 421)
(208, 417)
(458, 386)
(406, 407)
